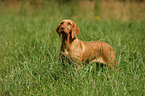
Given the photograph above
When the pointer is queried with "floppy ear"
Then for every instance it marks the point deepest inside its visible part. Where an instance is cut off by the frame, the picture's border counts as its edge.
(57, 30)
(75, 30)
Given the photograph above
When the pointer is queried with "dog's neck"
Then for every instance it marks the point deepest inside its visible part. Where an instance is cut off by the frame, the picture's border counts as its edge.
(66, 39)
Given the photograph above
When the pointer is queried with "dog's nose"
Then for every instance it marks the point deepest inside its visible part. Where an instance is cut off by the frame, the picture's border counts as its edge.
(62, 27)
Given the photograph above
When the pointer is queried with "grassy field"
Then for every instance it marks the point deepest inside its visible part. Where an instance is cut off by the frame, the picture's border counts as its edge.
(30, 65)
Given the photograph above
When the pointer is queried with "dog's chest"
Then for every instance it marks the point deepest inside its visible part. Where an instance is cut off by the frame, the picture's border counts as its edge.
(69, 50)
(65, 49)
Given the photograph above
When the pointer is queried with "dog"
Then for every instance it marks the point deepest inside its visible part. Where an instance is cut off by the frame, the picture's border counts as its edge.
(84, 51)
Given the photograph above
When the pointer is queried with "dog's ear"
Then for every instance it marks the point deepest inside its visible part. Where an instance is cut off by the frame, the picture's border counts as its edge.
(75, 30)
(57, 30)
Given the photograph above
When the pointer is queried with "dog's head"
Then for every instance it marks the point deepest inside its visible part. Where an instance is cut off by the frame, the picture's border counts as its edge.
(68, 27)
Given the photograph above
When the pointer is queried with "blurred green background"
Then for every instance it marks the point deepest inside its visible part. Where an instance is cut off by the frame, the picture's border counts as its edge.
(82, 9)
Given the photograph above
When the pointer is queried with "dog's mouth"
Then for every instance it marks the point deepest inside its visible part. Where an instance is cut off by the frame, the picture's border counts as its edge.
(64, 32)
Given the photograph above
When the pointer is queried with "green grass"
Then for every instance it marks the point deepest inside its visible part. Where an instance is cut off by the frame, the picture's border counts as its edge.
(30, 65)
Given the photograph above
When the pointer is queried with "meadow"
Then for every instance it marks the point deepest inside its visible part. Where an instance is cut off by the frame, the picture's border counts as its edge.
(30, 48)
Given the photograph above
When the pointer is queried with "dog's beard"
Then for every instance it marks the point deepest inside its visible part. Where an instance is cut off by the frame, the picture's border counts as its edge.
(65, 33)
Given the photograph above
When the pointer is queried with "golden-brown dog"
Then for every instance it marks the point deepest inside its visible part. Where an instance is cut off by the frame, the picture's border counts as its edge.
(83, 51)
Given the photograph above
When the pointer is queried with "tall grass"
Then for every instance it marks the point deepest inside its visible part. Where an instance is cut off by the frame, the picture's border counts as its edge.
(30, 47)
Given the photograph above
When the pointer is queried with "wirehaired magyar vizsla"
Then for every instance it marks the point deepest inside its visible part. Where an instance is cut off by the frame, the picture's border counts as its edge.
(83, 51)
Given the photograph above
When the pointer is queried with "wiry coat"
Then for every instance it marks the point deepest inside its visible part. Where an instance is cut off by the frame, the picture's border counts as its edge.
(84, 51)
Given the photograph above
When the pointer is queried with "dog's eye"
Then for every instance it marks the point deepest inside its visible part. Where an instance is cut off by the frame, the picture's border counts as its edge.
(61, 22)
(69, 23)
